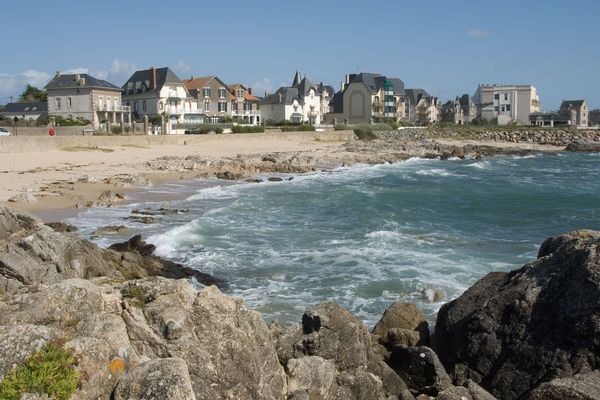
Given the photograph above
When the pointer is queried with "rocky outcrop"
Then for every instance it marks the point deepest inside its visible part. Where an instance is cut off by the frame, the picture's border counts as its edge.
(586, 146)
(532, 333)
(33, 253)
(512, 332)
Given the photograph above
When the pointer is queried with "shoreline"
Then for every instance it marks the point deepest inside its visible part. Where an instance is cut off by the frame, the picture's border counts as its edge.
(114, 173)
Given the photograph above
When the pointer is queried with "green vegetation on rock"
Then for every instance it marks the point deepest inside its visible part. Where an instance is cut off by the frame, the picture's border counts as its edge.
(49, 371)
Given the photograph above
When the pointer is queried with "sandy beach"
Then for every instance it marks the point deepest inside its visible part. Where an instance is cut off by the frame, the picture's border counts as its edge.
(75, 175)
(67, 174)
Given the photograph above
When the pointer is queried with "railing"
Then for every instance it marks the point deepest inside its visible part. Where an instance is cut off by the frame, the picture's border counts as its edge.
(111, 108)
(244, 112)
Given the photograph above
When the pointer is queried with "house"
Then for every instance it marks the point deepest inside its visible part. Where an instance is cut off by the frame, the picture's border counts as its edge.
(576, 112)
(302, 102)
(158, 92)
(550, 119)
(452, 112)
(81, 96)
(368, 97)
(244, 105)
(422, 108)
(594, 118)
(507, 104)
(212, 97)
(468, 107)
(25, 111)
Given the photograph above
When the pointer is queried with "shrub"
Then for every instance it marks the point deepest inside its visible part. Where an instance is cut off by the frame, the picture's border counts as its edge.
(136, 294)
(117, 130)
(247, 129)
(49, 371)
(296, 128)
(340, 127)
(365, 134)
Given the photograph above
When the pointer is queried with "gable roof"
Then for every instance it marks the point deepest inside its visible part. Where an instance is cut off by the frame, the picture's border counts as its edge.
(201, 82)
(572, 103)
(374, 82)
(141, 79)
(76, 81)
(415, 95)
(39, 107)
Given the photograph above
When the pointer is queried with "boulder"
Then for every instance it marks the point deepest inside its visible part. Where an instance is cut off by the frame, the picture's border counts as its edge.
(164, 378)
(23, 198)
(578, 387)
(514, 331)
(587, 146)
(398, 323)
(313, 375)
(420, 369)
(62, 227)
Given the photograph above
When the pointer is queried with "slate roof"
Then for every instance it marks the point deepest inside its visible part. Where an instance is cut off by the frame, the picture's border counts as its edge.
(414, 95)
(75, 81)
(572, 103)
(141, 79)
(336, 104)
(26, 108)
(285, 95)
(466, 101)
(297, 79)
(374, 82)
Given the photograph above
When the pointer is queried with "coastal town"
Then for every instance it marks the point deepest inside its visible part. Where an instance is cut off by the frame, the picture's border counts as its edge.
(157, 101)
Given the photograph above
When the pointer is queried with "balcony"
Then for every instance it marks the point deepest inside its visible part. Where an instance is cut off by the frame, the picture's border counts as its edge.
(243, 113)
(111, 108)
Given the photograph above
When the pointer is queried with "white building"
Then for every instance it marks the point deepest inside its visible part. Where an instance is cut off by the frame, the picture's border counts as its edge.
(508, 104)
(303, 102)
(158, 92)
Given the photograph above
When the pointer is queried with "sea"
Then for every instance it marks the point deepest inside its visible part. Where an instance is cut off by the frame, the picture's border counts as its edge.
(419, 230)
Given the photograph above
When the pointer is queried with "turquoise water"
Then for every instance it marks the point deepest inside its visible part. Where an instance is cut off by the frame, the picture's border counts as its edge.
(420, 230)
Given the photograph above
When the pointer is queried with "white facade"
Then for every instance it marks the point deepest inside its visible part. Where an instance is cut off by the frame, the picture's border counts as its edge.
(507, 103)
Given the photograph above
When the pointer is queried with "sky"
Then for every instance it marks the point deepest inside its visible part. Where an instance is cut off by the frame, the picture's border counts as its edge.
(444, 47)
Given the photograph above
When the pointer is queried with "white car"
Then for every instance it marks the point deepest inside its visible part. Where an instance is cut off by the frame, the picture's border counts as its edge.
(5, 132)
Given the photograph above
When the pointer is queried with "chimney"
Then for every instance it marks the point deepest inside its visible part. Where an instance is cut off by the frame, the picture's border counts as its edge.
(152, 78)
(77, 78)
(192, 78)
(266, 93)
(280, 97)
(57, 74)
(249, 90)
(82, 82)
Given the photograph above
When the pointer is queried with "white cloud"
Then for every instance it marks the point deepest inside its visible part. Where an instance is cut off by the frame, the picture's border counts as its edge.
(477, 33)
(78, 70)
(35, 78)
(259, 87)
(182, 67)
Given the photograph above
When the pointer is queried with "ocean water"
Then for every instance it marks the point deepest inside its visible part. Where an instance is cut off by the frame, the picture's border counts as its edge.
(420, 230)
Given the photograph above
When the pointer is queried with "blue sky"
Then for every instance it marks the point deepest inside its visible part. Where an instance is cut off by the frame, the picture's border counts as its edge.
(445, 47)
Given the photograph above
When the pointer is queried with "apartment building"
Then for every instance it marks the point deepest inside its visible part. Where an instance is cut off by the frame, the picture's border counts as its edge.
(507, 104)
(575, 111)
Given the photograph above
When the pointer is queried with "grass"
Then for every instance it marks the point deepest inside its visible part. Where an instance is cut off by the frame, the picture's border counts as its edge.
(136, 294)
(50, 371)
(81, 148)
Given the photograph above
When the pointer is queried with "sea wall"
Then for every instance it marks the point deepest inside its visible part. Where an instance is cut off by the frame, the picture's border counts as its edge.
(25, 144)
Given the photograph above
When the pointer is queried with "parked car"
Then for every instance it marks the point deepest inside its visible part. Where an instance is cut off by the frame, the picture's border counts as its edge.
(5, 132)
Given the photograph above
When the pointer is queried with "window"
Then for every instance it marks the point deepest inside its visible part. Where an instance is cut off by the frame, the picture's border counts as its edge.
(508, 107)
(206, 105)
(57, 102)
(497, 96)
(222, 106)
(206, 92)
(234, 105)
(144, 105)
(135, 105)
(222, 92)
(505, 96)
(69, 102)
(160, 105)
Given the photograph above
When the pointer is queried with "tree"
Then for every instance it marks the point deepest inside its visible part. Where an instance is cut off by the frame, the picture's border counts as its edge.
(32, 94)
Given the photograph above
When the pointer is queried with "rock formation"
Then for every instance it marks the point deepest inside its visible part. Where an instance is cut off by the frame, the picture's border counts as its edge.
(513, 331)
(532, 333)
